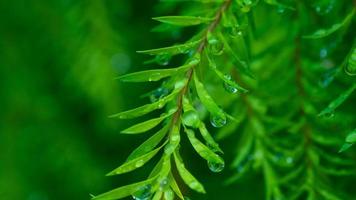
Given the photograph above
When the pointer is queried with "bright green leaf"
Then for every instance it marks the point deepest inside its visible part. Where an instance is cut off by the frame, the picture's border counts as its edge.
(203, 150)
(149, 144)
(206, 99)
(209, 139)
(124, 191)
(134, 163)
(145, 126)
(172, 50)
(187, 177)
(183, 20)
(153, 75)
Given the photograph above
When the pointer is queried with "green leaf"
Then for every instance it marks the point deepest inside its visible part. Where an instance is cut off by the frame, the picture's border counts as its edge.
(158, 195)
(187, 177)
(203, 150)
(225, 78)
(276, 3)
(172, 50)
(209, 139)
(153, 75)
(135, 163)
(183, 20)
(350, 67)
(147, 125)
(137, 112)
(323, 33)
(351, 137)
(345, 147)
(337, 102)
(240, 64)
(124, 191)
(174, 140)
(206, 99)
(175, 186)
(244, 148)
(149, 144)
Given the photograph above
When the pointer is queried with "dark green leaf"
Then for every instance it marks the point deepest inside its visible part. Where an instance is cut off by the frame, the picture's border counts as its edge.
(337, 102)
(323, 33)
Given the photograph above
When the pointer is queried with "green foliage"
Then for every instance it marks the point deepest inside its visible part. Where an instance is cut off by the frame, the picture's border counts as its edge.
(253, 74)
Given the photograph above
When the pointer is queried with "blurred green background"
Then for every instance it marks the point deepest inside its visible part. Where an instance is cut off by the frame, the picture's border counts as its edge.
(58, 60)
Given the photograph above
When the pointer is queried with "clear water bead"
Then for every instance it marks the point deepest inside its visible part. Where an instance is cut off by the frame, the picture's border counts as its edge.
(218, 121)
(216, 167)
(143, 193)
(228, 87)
(191, 118)
(164, 184)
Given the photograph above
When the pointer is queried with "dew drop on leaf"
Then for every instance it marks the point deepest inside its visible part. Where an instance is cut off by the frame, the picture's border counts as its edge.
(163, 59)
(329, 115)
(143, 193)
(191, 118)
(216, 47)
(235, 31)
(216, 167)
(246, 6)
(164, 184)
(323, 53)
(218, 121)
(158, 94)
(281, 9)
(139, 163)
(168, 149)
(228, 87)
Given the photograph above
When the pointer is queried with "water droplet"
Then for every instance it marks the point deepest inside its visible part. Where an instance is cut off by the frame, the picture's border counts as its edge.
(164, 184)
(235, 31)
(163, 59)
(175, 138)
(326, 79)
(143, 193)
(229, 87)
(139, 163)
(325, 8)
(191, 118)
(158, 94)
(218, 121)
(216, 47)
(180, 84)
(193, 184)
(281, 9)
(168, 194)
(169, 148)
(289, 160)
(216, 167)
(246, 6)
(323, 53)
(329, 115)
